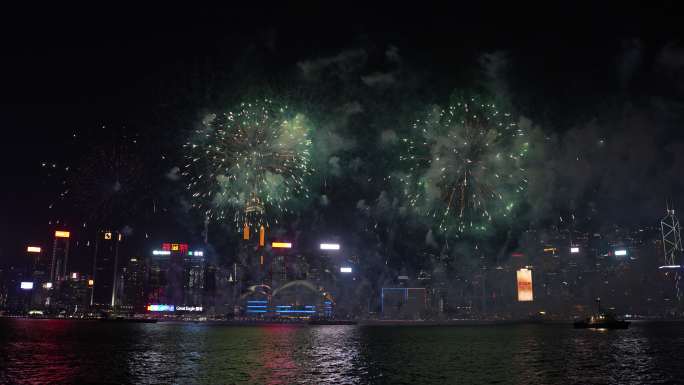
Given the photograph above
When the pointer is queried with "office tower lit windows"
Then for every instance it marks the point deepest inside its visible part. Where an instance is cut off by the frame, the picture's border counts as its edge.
(105, 269)
(60, 256)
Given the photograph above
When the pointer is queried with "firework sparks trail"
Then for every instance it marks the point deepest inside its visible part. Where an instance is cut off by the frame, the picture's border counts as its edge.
(465, 166)
(249, 165)
(104, 186)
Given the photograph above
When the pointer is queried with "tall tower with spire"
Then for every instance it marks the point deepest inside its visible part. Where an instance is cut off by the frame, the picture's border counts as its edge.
(672, 246)
(672, 238)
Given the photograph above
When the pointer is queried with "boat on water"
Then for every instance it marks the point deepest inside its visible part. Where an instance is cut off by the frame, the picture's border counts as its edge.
(601, 320)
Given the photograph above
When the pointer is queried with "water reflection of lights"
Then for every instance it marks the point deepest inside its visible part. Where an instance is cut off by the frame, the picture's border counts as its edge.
(166, 345)
(56, 351)
(42, 356)
(275, 355)
(630, 361)
(334, 354)
(317, 355)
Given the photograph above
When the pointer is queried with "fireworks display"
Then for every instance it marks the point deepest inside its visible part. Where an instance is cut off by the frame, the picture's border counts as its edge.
(465, 166)
(105, 186)
(249, 165)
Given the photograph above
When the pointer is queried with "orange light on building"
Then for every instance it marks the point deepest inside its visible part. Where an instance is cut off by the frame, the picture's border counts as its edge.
(108, 235)
(524, 277)
(62, 234)
(91, 282)
(549, 249)
(175, 247)
(261, 260)
(281, 245)
(245, 232)
(33, 249)
(262, 236)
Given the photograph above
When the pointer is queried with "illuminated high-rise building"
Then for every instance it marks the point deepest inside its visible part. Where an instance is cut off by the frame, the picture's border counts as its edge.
(134, 282)
(156, 282)
(60, 257)
(278, 271)
(195, 274)
(177, 275)
(279, 261)
(210, 284)
(39, 273)
(175, 272)
(106, 268)
(40, 265)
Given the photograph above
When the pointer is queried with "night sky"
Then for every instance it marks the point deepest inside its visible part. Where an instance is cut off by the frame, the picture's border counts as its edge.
(603, 88)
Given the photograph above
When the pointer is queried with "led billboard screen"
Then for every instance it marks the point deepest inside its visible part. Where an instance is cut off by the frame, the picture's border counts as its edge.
(330, 246)
(161, 307)
(524, 285)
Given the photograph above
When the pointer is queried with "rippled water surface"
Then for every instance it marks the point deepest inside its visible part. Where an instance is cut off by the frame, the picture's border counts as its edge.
(55, 351)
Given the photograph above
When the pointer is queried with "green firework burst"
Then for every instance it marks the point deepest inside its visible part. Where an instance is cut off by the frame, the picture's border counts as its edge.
(249, 165)
(465, 166)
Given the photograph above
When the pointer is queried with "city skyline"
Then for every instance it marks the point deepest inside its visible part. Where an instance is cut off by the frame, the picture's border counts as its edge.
(567, 269)
(422, 158)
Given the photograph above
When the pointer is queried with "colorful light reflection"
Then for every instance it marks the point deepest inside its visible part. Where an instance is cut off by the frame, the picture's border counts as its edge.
(161, 308)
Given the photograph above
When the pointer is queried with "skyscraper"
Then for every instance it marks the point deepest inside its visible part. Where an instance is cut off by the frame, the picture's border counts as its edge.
(195, 270)
(40, 267)
(60, 257)
(175, 274)
(39, 273)
(156, 281)
(106, 268)
(135, 280)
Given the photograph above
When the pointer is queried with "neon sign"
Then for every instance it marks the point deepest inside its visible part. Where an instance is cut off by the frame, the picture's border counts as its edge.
(160, 307)
(189, 308)
(179, 247)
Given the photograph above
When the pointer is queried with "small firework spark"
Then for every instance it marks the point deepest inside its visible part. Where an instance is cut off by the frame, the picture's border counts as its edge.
(103, 187)
(248, 166)
(464, 166)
